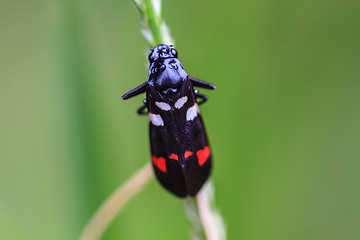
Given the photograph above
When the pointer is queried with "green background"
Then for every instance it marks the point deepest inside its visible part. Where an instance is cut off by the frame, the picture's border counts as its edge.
(283, 122)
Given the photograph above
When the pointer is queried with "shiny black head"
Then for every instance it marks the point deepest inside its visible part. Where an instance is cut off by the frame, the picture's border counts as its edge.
(166, 71)
(162, 51)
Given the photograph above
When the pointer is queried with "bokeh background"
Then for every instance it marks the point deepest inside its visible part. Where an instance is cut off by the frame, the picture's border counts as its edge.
(283, 121)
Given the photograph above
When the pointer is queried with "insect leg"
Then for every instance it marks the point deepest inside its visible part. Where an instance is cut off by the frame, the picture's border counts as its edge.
(141, 109)
(135, 91)
(199, 83)
(203, 97)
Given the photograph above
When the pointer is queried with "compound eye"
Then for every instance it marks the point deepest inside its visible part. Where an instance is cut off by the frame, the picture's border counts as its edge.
(152, 57)
(174, 52)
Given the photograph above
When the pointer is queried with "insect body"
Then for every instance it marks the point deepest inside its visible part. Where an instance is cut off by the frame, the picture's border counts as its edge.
(181, 155)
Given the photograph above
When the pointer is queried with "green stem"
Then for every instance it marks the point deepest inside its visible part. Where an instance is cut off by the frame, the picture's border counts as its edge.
(115, 203)
(154, 22)
(153, 26)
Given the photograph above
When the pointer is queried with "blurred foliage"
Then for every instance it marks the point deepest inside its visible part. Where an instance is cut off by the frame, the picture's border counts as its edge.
(283, 121)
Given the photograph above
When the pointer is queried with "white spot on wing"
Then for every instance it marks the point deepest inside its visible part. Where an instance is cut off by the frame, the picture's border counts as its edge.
(180, 102)
(156, 119)
(192, 112)
(163, 106)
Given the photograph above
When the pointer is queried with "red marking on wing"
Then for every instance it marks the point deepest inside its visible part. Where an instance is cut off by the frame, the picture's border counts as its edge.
(174, 156)
(159, 162)
(187, 154)
(203, 155)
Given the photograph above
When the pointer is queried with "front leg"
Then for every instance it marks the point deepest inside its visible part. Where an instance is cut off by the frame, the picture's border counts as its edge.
(204, 98)
(141, 109)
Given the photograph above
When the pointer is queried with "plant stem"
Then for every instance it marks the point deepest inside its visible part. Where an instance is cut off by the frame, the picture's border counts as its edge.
(206, 219)
(116, 202)
(153, 26)
(211, 219)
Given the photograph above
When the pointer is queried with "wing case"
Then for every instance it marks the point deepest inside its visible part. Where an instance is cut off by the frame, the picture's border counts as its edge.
(180, 151)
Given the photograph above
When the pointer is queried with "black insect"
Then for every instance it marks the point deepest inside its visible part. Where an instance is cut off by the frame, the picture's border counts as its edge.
(180, 150)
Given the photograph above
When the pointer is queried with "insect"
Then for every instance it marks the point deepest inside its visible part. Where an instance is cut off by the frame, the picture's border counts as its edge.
(181, 155)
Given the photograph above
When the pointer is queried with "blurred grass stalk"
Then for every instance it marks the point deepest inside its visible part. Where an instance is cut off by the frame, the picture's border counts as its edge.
(116, 202)
(204, 216)
(207, 221)
(153, 26)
